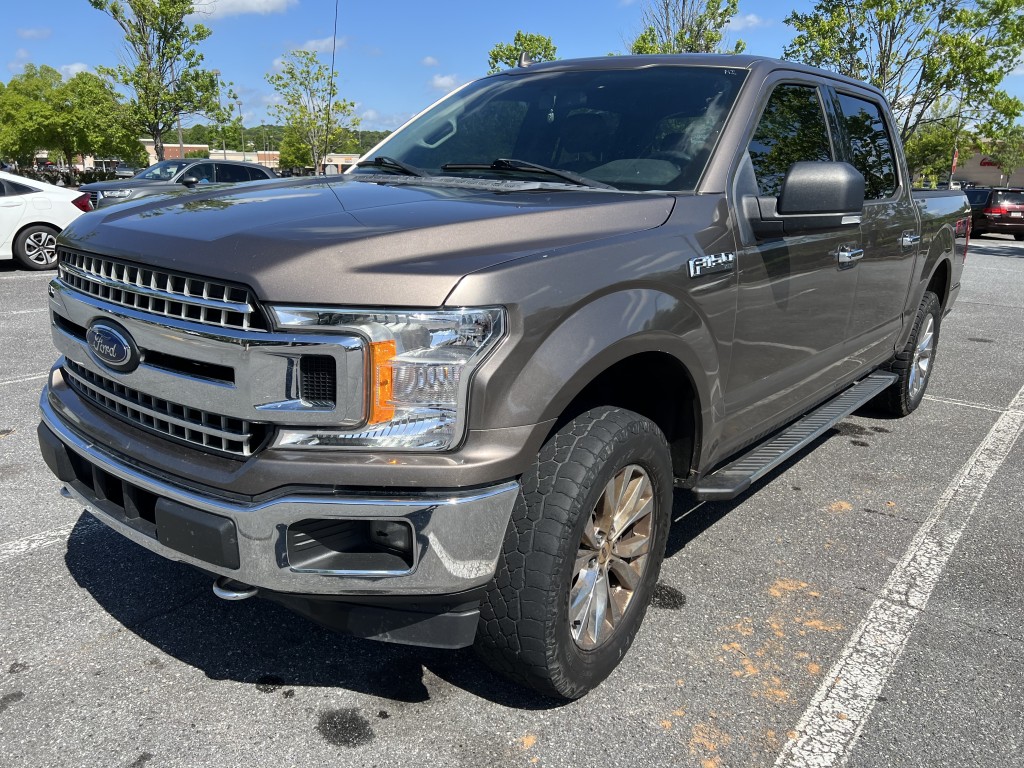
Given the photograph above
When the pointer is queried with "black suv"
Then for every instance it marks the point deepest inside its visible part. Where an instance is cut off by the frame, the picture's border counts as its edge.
(168, 175)
(999, 210)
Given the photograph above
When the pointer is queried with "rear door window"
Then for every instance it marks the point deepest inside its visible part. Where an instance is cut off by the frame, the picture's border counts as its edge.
(869, 146)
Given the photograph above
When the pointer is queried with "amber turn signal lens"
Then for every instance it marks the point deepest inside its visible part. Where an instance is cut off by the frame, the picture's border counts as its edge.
(381, 405)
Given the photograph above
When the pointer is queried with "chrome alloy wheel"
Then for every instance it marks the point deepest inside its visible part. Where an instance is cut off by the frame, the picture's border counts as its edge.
(920, 366)
(611, 557)
(41, 248)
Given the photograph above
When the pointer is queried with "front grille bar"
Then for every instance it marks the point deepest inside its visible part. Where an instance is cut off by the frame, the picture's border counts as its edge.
(160, 292)
(223, 434)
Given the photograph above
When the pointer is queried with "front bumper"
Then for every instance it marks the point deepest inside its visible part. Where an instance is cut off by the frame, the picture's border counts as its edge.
(456, 537)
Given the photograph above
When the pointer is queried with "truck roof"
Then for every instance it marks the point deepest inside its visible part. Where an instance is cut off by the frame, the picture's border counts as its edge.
(757, 65)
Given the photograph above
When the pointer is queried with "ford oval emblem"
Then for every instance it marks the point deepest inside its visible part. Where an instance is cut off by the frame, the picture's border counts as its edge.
(112, 346)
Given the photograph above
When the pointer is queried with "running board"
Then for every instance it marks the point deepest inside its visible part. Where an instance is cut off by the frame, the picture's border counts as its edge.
(736, 477)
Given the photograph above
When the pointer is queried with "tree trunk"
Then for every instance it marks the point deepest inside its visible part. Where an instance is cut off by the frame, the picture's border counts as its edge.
(158, 146)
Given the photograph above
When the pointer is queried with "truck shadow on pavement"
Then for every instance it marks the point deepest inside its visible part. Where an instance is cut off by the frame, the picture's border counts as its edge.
(171, 606)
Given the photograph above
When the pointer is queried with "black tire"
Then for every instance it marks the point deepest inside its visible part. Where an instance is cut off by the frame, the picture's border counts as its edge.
(555, 548)
(34, 247)
(914, 364)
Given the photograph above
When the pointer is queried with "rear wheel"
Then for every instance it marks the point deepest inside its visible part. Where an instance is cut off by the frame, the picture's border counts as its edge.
(581, 555)
(36, 247)
(914, 364)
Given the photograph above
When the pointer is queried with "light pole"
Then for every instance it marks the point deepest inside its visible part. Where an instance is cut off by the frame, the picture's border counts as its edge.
(241, 125)
(220, 118)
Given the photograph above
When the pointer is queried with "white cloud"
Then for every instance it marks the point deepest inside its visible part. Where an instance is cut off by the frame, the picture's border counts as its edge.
(21, 58)
(323, 45)
(444, 82)
(70, 70)
(430, 61)
(34, 33)
(372, 120)
(746, 21)
(219, 9)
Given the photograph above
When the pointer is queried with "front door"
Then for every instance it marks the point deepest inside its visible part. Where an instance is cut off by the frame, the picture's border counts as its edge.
(794, 302)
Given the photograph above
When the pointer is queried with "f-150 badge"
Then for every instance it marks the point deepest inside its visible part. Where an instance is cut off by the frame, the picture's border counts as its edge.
(717, 262)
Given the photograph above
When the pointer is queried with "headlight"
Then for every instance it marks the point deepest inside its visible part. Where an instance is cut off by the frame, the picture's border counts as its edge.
(419, 365)
(116, 193)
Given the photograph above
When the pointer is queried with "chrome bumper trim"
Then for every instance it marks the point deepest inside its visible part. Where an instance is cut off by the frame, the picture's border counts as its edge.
(458, 535)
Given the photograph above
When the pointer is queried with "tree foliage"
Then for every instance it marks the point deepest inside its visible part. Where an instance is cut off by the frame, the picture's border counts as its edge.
(310, 109)
(918, 52)
(39, 110)
(685, 26)
(164, 69)
(930, 150)
(1004, 145)
(506, 55)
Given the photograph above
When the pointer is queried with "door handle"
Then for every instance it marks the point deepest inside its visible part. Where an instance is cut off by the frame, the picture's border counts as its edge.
(908, 239)
(849, 255)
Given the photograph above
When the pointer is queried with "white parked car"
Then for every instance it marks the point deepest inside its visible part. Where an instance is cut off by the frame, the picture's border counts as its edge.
(32, 214)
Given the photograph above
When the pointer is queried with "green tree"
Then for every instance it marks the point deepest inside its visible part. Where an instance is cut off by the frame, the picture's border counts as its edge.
(685, 26)
(294, 151)
(919, 53)
(88, 118)
(506, 55)
(310, 108)
(164, 69)
(84, 115)
(1004, 144)
(930, 150)
(26, 112)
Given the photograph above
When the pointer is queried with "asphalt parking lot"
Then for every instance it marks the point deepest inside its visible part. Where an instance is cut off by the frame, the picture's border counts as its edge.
(861, 606)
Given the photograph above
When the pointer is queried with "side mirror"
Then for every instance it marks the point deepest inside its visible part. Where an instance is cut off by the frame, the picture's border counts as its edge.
(189, 181)
(815, 197)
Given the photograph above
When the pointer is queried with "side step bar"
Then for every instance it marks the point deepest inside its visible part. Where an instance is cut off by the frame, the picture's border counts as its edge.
(734, 478)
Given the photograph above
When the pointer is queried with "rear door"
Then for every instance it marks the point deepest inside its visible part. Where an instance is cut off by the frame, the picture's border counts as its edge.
(890, 226)
(794, 300)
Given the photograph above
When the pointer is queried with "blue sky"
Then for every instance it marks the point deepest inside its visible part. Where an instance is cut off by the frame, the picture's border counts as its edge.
(393, 58)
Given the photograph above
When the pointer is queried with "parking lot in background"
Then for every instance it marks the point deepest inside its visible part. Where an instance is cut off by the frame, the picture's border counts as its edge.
(861, 604)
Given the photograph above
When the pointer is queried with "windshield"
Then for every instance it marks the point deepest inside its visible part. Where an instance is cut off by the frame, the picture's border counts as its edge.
(633, 129)
(165, 170)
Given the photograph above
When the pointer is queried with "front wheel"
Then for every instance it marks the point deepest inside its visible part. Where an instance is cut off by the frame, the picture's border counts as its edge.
(914, 364)
(581, 554)
(36, 247)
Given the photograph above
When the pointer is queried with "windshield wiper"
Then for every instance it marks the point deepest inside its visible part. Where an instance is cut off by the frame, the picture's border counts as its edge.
(508, 164)
(383, 161)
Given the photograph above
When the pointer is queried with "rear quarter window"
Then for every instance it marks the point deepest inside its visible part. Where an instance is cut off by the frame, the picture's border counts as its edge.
(1009, 198)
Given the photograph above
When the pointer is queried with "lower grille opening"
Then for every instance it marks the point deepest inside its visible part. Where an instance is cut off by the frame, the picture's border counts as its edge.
(351, 546)
(116, 497)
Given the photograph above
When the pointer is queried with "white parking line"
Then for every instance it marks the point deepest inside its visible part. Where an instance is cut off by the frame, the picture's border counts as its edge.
(45, 539)
(23, 379)
(24, 311)
(964, 403)
(840, 708)
(29, 276)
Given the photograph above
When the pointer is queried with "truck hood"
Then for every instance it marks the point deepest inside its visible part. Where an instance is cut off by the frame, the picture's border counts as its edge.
(393, 241)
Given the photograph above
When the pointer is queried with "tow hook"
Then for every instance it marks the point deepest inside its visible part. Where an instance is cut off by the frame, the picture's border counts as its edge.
(228, 589)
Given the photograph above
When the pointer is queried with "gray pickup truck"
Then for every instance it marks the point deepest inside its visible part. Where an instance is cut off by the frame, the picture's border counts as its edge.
(446, 398)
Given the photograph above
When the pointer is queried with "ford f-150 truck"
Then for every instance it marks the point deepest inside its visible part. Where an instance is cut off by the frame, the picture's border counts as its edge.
(445, 399)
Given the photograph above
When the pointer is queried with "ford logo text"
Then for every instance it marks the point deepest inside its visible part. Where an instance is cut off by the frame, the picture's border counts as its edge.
(112, 346)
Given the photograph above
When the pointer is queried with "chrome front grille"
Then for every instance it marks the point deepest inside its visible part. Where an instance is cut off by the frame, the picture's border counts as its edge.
(194, 426)
(94, 198)
(160, 292)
